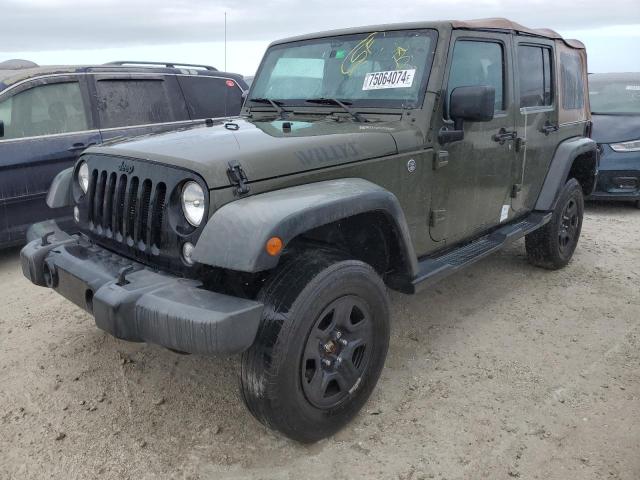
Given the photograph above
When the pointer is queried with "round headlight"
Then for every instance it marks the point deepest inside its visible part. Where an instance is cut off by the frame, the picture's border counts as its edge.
(193, 203)
(83, 176)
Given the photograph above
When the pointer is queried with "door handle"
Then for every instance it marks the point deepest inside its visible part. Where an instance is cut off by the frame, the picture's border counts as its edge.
(79, 146)
(548, 128)
(503, 135)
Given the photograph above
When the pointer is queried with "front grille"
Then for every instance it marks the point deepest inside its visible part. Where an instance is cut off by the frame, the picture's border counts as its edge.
(132, 207)
(127, 209)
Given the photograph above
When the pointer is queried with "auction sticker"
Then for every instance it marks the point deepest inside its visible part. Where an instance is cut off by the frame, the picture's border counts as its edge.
(389, 79)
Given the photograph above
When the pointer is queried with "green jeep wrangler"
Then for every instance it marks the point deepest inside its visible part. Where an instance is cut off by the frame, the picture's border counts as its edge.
(386, 156)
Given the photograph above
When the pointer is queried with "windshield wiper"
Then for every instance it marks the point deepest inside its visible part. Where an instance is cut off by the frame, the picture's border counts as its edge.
(274, 103)
(335, 101)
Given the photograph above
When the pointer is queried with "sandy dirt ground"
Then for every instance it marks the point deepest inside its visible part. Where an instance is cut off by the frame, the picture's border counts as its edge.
(502, 371)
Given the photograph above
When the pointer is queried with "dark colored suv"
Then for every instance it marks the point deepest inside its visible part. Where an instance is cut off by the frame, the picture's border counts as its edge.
(49, 115)
(615, 106)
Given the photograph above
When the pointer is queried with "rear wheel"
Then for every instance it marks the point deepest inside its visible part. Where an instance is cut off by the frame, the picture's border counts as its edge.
(553, 245)
(320, 348)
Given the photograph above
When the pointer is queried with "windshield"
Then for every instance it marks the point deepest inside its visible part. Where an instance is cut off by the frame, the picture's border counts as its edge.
(614, 96)
(377, 69)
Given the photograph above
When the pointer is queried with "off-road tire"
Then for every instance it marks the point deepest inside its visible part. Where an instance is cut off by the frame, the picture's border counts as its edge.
(272, 372)
(553, 245)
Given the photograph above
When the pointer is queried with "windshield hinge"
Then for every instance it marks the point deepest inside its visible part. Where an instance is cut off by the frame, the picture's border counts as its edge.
(238, 178)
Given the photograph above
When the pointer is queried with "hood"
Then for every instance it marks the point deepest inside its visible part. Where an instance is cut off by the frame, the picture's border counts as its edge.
(615, 128)
(262, 148)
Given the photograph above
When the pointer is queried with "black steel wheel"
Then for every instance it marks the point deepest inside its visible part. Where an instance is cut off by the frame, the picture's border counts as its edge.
(337, 352)
(321, 345)
(553, 245)
(569, 227)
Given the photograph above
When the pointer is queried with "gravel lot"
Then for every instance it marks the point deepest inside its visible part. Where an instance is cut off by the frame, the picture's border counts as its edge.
(502, 371)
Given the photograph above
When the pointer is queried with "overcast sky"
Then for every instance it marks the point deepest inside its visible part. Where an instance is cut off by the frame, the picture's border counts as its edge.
(97, 31)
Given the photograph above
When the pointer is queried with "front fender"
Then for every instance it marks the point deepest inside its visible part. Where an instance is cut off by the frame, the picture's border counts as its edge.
(236, 234)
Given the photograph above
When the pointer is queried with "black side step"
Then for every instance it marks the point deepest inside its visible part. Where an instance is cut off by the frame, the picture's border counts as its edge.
(434, 268)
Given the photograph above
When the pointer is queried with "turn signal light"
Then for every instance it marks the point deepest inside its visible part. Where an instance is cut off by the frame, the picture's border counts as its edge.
(274, 246)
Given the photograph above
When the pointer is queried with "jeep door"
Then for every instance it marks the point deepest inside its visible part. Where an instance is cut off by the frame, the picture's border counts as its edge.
(473, 177)
(128, 105)
(536, 118)
(47, 124)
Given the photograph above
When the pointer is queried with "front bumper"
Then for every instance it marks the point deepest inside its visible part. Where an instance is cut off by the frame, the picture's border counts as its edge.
(135, 303)
(618, 176)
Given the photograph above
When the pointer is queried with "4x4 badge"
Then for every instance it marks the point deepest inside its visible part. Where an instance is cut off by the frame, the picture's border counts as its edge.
(128, 169)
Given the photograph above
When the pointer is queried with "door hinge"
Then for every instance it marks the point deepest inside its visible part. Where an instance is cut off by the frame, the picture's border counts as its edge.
(440, 159)
(238, 178)
(436, 217)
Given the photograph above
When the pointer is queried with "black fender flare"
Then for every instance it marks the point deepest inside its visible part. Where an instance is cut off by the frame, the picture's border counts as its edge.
(566, 152)
(236, 234)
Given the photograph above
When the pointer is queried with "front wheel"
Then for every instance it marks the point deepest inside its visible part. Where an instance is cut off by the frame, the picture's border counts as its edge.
(320, 348)
(552, 246)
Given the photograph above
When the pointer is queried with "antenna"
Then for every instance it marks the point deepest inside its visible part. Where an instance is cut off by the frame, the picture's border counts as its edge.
(225, 41)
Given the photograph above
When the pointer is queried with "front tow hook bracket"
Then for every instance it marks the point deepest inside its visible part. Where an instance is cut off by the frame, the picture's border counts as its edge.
(45, 238)
(122, 275)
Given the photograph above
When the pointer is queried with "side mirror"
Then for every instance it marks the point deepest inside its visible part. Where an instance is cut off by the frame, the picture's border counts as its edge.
(1, 129)
(474, 104)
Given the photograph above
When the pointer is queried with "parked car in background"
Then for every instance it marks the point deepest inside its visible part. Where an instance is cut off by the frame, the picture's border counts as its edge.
(615, 107)
(49, 115)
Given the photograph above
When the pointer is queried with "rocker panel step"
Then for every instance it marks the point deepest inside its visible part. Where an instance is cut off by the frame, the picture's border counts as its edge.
(432, 269)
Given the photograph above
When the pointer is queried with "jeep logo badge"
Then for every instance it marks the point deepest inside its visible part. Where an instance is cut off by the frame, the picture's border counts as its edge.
(126, 168)
(411, 165)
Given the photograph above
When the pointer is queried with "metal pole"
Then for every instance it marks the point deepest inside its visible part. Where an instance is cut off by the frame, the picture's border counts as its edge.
(225, 41)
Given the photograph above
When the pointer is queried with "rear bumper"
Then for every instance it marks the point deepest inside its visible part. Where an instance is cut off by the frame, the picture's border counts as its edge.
(142, 305)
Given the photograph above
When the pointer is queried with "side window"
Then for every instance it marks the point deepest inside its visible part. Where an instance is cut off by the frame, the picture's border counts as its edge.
(478, 63)
(572, 81)
(129, 102)
(534, 71)
(44, 110)
(209, 97)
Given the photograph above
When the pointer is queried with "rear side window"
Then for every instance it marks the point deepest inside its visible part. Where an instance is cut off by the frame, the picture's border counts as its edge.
(478, 63)
(128, 102)
(44, 110)
(534, 71)
(572, 81)
(209, 97)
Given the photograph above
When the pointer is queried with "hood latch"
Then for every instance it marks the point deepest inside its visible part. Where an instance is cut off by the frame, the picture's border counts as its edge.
(238, 178)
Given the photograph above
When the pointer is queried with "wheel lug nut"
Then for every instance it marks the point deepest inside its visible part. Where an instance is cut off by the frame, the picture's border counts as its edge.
(339, 360)
(326, 362)
(343, 342)
(338, 333)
